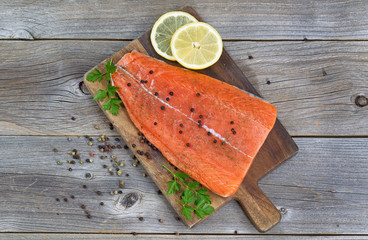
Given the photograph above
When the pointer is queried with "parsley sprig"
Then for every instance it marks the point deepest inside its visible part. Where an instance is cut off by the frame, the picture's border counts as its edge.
(97, 75)
(192, 199)
(113, 103)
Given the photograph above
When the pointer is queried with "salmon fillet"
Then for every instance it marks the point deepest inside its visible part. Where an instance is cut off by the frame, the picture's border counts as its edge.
(207, 128)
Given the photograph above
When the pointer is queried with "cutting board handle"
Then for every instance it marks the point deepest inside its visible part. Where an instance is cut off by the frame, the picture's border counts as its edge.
(259, 209)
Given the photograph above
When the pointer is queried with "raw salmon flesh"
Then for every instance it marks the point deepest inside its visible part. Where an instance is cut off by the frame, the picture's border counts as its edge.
(205, 127)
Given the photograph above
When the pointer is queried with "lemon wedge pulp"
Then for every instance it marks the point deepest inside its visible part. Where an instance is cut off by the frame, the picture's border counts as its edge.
(196, 45)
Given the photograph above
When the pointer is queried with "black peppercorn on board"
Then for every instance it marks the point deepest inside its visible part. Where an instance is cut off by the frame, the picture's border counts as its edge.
(277, 148)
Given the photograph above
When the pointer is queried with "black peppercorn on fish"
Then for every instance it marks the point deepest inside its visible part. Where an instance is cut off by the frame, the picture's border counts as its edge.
(207, 128)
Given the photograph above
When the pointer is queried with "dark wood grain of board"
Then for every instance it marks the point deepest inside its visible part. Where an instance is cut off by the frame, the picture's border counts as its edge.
(278, 147)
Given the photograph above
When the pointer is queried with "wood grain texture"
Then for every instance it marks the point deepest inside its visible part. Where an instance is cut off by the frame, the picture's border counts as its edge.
(322, 190)
(313, 84)
(51, 236)
(252, 19)
(41, 97)
(277, 148)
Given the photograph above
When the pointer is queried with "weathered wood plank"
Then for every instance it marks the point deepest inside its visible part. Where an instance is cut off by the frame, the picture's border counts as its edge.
(322, 190)
(51, 236)
(313, 85)
(253, 19)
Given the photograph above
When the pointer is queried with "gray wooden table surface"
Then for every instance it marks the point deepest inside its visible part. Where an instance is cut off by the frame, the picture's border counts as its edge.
(310, 59)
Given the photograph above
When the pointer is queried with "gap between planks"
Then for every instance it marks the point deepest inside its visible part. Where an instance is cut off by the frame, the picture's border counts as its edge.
(224, 40)
(185, 234)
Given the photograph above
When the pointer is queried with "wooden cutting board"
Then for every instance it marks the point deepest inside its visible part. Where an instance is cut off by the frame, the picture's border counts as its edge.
(278, 147)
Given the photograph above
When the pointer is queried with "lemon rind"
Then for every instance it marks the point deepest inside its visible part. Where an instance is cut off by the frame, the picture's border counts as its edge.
(158, 22)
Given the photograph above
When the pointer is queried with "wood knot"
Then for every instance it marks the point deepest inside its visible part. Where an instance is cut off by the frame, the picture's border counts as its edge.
(361, 101)
(129, 200)
(22, 34)
(83, 88)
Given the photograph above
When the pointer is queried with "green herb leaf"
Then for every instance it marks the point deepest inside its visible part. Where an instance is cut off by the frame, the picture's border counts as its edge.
(198, 200)
(199, 213)
(110, 69)
(101, 94)
(201, 194)
(114, 109)
(174, 187)
(200, 203)
(113, 104)
(182, 176)
(106, 105)
(207, 209)
(193, 185)
(187, 196)
(187, 212)
(202, 191)
(95, 75)
(204, 209)
(111, 90)
(116, 100)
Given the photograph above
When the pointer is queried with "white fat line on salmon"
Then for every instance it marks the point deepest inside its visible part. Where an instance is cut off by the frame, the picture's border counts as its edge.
(205, 95)
(222, 138)
(204, 126)
(152, 82)
(234, 110)
(112, 81)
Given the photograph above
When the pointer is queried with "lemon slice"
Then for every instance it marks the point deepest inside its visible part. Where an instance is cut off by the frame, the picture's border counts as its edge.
(164, 28)
(196, 45)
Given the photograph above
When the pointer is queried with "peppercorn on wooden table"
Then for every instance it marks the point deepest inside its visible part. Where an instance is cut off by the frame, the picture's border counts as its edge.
(308, 58)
